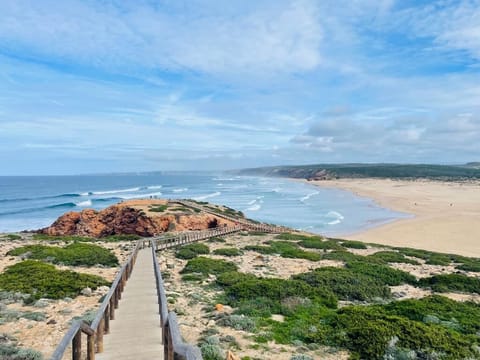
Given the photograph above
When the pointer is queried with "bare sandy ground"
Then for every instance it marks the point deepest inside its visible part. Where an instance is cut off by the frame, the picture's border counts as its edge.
(447, 214)
(45, 335)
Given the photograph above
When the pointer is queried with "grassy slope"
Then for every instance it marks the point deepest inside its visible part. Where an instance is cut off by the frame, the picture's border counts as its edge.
(400, 171)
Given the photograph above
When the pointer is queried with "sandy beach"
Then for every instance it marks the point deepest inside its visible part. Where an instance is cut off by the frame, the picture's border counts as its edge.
(446, 214)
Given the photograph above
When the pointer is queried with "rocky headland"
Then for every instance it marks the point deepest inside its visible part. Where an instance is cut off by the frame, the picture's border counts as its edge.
(136, 217)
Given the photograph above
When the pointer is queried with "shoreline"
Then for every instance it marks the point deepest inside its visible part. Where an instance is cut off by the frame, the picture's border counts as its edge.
(445, 215)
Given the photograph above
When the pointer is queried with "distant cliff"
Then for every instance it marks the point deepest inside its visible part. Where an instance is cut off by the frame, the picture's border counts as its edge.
(139, 217)
(395, 171)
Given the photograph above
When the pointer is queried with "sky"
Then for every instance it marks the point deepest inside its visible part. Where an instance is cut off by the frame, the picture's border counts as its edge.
(147, 85)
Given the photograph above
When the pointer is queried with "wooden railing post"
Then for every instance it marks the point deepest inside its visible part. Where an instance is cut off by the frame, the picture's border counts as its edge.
(112, 307)
(90, 347)
(77, 346)
(100, 333)
(106, 317)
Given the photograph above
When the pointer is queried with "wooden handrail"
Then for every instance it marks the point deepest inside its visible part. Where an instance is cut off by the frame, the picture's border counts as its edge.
(174, 347)
(189, 237)
(101, 324)
(247, 224)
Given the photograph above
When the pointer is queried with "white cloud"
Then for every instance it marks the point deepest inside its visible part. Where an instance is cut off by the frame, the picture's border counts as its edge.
(453, 24)
(279, 38)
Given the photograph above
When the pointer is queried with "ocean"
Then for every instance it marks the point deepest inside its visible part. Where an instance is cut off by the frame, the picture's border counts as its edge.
(28, 203)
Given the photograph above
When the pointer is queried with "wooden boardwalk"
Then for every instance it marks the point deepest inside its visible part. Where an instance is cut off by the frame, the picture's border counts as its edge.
(133, 321)
(136, 332)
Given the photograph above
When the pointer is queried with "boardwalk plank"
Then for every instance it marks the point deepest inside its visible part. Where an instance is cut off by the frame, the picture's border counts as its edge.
(136, 333)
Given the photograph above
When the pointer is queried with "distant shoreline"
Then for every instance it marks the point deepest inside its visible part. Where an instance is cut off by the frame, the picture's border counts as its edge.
(446, 214)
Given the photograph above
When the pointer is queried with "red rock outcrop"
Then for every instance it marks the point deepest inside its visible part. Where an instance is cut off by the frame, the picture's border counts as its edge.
(124, 219)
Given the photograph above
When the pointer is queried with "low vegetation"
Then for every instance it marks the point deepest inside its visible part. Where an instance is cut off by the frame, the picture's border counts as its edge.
(62, 238)
(159, 208)
(9, 350)
(346, 284)
(351, 244)
(429, 328)
(228, 252)
(383, 273)
(373, 326)
(451, 282)
(74, 238)
(203, 265)
(13, 237)
(74, 254)
(285, 249)
(394, 171)
(392, 257)
(191, 251)
(42, 280)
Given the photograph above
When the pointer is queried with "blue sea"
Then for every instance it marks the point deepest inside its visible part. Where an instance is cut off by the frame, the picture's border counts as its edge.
(28, 203)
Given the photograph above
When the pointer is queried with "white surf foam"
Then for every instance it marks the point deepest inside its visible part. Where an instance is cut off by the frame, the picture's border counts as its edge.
(306, 197)
(255, 207)
(139, 196)
(252, 202)
(117, 191)
(153, 187)
(180, 190)
(84, 203)
(208, 196)
(336, 217)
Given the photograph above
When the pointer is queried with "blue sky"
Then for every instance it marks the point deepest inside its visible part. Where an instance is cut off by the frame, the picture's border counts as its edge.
(109, 85)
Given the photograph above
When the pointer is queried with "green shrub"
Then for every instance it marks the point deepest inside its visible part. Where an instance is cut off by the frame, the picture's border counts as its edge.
(159, 208)
(13, 237)
(228, 252)
(392, 257)
(466, 314)
(383, 273)
(44, 280)
(319, 243)
(347, 256)
(262, 249)
(203, 265)
(345, 284)
(216, 239)
(473, 266)
(232, 277)
(238, 322)
(284, 249)
(192, 277)
(121, 237)
(297, 237)
(12, 352)
(367, 332)
(246, 288)
(9, 315)
(65, 238)
(74, 254)
(212, 352)
(260, 307)
(451, 282)
(191, 251)
(289, 250)
(434, 258)
(353, 244)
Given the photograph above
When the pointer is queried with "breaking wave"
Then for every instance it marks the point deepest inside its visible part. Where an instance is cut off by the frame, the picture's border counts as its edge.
(208, 196)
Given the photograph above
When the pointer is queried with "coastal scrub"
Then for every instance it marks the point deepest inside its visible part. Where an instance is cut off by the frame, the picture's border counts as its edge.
(42, 280)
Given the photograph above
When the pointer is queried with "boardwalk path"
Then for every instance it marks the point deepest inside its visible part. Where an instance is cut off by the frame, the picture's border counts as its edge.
(136, 333)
